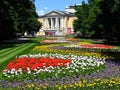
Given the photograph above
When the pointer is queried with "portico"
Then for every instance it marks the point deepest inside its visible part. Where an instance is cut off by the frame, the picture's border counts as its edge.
(55, 23)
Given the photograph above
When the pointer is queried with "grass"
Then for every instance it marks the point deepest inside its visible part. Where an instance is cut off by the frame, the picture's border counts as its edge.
(8, 54)
(118, 47)
(12, 51)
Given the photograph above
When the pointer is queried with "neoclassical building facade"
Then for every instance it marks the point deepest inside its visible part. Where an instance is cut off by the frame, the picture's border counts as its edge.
(57, 23)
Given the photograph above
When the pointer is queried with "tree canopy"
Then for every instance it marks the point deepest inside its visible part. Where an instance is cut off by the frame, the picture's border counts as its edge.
(17, 16)
(99, 19)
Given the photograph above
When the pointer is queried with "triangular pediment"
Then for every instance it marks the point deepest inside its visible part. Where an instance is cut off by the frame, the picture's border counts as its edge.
(55, 13)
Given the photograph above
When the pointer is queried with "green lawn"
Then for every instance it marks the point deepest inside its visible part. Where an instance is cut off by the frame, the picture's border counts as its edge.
(8, 54)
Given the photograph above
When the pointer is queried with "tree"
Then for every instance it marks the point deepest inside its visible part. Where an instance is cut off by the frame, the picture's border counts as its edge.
(94, 18)
(100, 18)
(8, 20)
(81, 14)
(17, 16)
(27, 16)
(111, 19)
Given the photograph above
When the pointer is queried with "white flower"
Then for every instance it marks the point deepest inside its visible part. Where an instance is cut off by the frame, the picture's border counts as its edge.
(20, 70)
(35, 70)
(16, 73)
(8, 76)
(76, 70)
(12, 71)
(4, 71)
(28, 69)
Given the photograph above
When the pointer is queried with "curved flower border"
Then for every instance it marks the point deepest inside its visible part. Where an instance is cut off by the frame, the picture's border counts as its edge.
(56, 64)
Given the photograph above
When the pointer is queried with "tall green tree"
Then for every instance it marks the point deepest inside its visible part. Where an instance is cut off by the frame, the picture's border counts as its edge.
(8, 20)
(94, 18)
(111, 18)
(17, 16)
(86, 14)
(102, 19)
(81, 14)
(27, 16)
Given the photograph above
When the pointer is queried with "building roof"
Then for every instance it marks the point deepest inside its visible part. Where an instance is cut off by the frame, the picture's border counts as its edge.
(63, 13)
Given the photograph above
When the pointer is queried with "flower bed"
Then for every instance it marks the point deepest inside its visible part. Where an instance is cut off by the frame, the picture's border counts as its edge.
(71, 39)
(54, 41)
(60, 48)
(53, 65)
(63, 68)
(34, 63)
(92, 46)
(108, 79)
(100, 46)
(49, 41)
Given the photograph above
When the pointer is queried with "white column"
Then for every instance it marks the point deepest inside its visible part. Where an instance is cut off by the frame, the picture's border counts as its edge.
(51, 23)
(62, 23)
(56, 23)
(45, 23)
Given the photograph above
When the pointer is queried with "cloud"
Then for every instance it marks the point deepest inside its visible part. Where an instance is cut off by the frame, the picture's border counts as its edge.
(45, 8)
(67, 6)
(41, 12)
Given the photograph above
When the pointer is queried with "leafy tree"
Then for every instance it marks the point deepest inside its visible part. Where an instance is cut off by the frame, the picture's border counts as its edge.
(81, 14)
(27, 16)
(8, 20)
(100, 18)
(17, 16)
(94, 18)
(111, 18)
